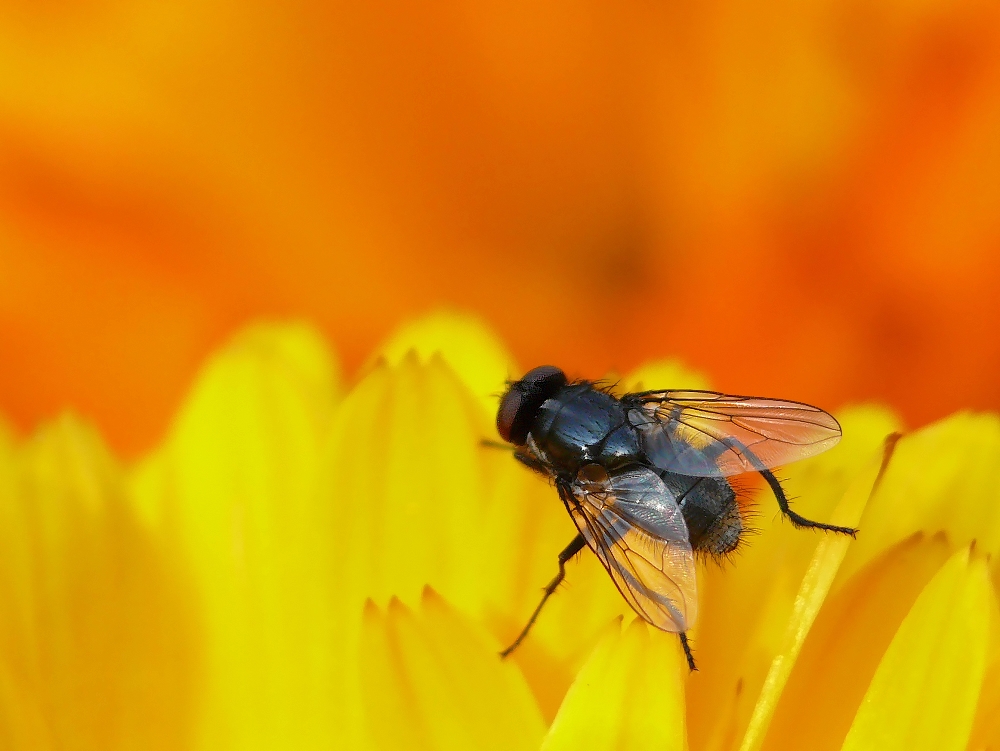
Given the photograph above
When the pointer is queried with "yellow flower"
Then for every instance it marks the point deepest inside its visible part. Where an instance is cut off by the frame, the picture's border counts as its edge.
(309, 564)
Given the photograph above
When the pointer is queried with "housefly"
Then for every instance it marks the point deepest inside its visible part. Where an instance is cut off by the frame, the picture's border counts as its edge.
(646, 478)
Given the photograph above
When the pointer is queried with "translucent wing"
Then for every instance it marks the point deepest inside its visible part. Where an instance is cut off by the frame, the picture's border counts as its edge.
(706, 434)
(632, 522)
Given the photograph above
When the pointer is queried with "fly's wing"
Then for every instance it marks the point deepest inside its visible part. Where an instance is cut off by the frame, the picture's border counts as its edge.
(706, 434)
(633, 524)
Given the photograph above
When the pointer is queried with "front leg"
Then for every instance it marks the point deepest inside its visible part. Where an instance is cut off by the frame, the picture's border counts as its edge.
(532, 462)
(572, 549)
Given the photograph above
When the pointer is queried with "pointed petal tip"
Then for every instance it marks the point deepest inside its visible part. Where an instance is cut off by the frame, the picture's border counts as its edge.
(430, 598)
(439, 678)
(636, 627)
(462, 342)
(371, 610)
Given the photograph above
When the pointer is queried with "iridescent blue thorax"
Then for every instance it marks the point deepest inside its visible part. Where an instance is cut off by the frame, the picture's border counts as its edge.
(580, 425)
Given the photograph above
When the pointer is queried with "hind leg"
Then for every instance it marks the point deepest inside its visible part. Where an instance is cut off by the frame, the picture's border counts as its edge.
(797, 520)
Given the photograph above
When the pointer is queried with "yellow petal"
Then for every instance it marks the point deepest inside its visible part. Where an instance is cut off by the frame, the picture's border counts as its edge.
(240, 507)
(413, 495)
(284, 365)
(986, 728)
(629, 696)
(924, 693)
(812, 593)
(758, 591)
(95, 640)
(472, 350)
(945, 477)
(845, 645)
(664, 374)
(404, 474)
(431, 680)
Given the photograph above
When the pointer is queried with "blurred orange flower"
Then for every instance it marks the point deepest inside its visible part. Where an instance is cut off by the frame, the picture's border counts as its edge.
(798, 200)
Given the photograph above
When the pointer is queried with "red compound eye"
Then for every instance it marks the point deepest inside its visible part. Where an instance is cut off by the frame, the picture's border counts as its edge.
(522, 400)
(510, 405)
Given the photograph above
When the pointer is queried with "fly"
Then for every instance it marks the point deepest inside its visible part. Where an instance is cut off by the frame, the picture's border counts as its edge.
(645, 478)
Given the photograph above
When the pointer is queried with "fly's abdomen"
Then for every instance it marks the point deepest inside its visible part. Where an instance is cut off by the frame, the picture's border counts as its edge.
(710, 511)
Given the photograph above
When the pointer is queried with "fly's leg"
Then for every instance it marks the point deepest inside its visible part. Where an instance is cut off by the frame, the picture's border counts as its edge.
(520, 454)
(531, 462)
(495, 445)
(800, 521)
(796, 519)
(572, 549)
(779, 492)
(687, 652)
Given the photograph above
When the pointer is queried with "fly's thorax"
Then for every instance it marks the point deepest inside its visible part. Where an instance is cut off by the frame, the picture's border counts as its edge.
(621, 447)
(573, 427)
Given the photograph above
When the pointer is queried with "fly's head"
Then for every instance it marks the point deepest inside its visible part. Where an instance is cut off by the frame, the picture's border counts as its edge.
(523, 399)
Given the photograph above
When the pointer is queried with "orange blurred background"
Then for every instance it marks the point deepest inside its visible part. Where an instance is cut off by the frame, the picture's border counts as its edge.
(802, 200)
